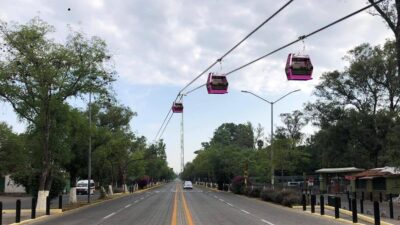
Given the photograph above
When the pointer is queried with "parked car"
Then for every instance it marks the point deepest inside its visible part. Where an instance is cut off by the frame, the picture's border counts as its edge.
(188, 185)
(82, 187)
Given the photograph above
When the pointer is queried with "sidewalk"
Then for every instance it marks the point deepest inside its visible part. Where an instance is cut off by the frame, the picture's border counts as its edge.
(369, 207)
(9, 202)
(346, 215)
(9, 218)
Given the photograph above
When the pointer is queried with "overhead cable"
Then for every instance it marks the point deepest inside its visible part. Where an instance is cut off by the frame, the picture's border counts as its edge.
(301, 38)
(220, 59)
(237, 45)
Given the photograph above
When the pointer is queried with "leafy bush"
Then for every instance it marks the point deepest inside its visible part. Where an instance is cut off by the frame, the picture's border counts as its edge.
(57, 186)
(268, 195)
(143, 181)
(283, 197)
(291, 199)
(31, 183)
(253, 192)
(238, 185)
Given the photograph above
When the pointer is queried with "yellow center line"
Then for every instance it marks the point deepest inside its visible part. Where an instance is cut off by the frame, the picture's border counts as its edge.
(174, 212)
(188, 215)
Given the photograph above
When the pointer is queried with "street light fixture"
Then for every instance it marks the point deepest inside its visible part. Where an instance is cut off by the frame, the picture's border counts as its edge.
(272, 127)
(93, 78)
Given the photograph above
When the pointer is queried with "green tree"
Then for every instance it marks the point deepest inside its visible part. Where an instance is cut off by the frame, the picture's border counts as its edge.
(356, 108)
(13, 157)
(389, 11)
(37, 75)
(240, 135)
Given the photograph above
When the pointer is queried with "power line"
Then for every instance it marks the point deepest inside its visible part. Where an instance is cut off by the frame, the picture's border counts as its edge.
(165, 127)
(165, 119)
(158, 132)
(293, 42)
(222, 57)
(237, 45)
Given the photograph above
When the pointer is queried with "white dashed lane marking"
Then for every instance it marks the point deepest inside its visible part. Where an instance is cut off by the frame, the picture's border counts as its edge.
(106, 217)
(127, 206)
(248, 213)
(244, 211)
(267, 222)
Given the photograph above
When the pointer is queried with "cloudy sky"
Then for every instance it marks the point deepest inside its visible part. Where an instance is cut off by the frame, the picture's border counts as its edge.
(160, 45)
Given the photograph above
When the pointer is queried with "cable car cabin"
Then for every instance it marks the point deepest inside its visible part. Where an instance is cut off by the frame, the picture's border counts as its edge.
(217, 84)
(177, 107)
(298, 67)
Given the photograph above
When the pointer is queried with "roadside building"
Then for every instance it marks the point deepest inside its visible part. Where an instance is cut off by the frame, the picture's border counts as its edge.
(7, 185)
(385, 180)
(333, 180)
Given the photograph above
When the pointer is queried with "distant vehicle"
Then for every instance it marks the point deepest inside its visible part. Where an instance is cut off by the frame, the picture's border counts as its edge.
(188, 185)
(293, 183)
(82, 187)
(396, 199)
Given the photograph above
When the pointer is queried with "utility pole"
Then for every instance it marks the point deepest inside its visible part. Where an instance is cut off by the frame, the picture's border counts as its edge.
(272, 129)
(90, 147)
(272, 147)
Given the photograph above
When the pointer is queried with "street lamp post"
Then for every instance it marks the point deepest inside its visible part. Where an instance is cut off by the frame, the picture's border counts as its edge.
(93, 78)
(272, 128)
(90, 146)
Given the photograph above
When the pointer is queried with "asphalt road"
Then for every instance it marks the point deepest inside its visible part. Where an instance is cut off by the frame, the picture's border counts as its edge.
(171, 205)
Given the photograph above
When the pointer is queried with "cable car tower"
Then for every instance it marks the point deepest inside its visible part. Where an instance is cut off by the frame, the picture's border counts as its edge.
(177, 107)
(182, 145)
(182, 140)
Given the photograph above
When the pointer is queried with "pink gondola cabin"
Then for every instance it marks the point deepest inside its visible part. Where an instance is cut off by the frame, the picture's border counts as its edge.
(177, 107)
(217, 84)
(298, 67)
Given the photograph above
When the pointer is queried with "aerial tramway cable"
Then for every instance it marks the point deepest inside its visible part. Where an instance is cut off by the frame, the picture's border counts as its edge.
(217, 61)
(293, 42)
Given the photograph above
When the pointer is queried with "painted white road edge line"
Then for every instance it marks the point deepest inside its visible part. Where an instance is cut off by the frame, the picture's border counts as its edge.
(127, 206)
(229, 204)
(106, 217)
(267, 222)
(244, 211)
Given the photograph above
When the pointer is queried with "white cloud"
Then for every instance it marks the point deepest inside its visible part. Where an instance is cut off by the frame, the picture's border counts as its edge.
(167, 43)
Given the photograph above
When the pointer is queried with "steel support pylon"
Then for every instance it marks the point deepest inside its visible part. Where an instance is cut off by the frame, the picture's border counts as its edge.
(182, 144)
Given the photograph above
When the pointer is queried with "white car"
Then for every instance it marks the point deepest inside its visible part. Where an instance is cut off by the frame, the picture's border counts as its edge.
(82, 187)
(188, 185)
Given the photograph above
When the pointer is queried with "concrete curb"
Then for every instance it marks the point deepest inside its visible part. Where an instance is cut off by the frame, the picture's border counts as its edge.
(346, 212)
(333, 218)
(360, 216)
(12, 211)
(118, 196)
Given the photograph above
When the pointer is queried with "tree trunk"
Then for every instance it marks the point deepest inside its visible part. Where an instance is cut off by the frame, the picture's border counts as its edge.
(124, 180)
(42, 194)
(44, 176)
(72, 192)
